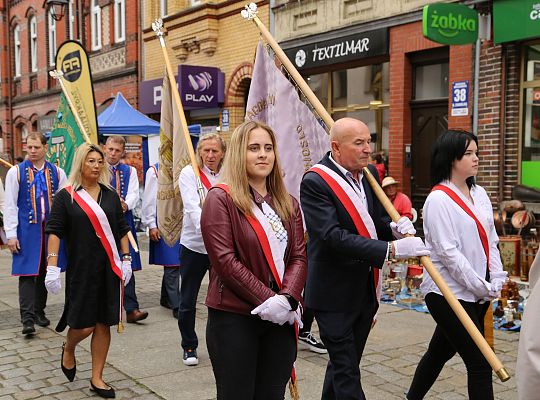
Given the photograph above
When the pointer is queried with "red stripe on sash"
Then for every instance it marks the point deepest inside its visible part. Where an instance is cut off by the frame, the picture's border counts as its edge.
(481, 231)
(204, 179)
(263, 240)
(99, 230)
(349, 207)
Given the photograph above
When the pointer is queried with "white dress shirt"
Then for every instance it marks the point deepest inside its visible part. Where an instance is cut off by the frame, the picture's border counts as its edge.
(2, 196)
(11, 210)
(456, 249)
(132, 195)
(356, 184)
(191, 236)
(149, 200)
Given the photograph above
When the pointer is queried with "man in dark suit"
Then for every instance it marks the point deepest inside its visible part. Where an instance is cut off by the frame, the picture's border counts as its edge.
(349, 238)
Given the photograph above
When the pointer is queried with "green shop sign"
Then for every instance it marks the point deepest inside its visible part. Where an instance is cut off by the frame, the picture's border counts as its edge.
(515, 20)
(450, 23)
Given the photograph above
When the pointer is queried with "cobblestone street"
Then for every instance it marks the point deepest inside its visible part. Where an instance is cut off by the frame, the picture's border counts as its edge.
(145, 361)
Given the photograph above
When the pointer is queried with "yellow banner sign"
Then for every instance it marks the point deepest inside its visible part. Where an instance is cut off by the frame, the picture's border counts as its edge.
(72, 60)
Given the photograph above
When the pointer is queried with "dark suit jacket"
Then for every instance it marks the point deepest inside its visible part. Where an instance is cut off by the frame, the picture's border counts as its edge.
(339, 260)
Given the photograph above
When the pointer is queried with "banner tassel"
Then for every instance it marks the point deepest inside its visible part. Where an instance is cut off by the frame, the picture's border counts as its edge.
(293, 390)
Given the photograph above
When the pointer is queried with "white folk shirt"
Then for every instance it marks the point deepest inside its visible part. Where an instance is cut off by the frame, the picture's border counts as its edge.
(191, 236)
(456, 249)
(132, 195)
(11, 210)
(149, 200)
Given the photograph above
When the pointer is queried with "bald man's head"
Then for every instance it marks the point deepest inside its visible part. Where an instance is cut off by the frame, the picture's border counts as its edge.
(350, 140)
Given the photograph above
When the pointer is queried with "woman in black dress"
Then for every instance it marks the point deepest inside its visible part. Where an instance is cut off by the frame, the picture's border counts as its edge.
(88, 216)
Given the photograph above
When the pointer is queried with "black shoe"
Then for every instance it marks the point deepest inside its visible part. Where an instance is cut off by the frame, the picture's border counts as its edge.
(69, 373)
(42, 320)
(28, 328)
(308, 341)
(105, 393)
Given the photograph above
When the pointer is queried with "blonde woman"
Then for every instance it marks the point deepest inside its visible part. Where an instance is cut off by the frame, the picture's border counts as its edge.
(88, 215)
(252, 230)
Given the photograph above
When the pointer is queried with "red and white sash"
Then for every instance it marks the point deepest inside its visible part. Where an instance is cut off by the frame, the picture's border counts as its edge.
(99, 221)
(354, 205)
(459, 201)
(204, 180)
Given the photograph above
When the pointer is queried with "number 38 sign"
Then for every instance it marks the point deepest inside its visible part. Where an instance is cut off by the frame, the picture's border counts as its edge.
(460, 98)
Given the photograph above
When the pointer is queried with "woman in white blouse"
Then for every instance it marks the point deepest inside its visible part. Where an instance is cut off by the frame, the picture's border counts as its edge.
(460, 234)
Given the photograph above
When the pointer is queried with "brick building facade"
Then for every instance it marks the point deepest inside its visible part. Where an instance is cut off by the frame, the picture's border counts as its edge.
(108, 30)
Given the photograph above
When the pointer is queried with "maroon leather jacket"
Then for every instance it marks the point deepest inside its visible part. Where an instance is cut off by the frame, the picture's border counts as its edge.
(239, 272)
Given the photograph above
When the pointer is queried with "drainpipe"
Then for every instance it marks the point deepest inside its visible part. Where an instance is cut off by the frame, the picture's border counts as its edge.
(502, 125)
(477, 48)
(10, 84)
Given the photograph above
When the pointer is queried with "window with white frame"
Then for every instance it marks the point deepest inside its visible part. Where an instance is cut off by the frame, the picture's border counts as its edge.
(119, 20)
(33, 44)
(17, 49)
(96, 25)
(163, 12)
(52, 39)
(71, 19)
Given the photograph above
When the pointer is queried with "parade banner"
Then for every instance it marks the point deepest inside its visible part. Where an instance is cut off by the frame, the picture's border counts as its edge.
(72, 60)
(65, 137)
(173, 156)
(273, 99)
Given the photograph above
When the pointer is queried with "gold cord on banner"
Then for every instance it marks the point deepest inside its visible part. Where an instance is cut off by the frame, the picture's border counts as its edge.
(293, 390)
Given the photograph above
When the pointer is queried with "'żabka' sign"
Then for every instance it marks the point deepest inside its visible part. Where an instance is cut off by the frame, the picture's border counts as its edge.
(199, 87)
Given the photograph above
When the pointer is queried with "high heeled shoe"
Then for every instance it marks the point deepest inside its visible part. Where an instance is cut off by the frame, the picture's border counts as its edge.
(105, 393)
(68, 372)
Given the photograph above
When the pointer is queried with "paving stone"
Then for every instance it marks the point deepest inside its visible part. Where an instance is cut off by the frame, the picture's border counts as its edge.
(13, 373)
(27, 394)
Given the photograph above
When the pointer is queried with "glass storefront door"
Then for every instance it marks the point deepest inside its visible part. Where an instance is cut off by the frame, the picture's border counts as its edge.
(530, 139)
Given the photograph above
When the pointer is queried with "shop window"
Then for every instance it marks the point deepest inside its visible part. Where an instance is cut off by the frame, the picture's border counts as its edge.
(319, 85)
(431, 81)
(530, 148)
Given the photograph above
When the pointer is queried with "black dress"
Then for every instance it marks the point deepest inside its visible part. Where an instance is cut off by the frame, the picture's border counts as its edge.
(92, 288)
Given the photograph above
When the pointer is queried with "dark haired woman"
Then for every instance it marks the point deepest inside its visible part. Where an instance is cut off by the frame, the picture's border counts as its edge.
(459, 230)
(252, 230)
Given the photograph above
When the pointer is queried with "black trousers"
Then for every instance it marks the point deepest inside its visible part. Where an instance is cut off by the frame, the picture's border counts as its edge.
(32, 291)
(193, 267)
(450, 337)
(345, 335)
(252, 359)
(307, 320)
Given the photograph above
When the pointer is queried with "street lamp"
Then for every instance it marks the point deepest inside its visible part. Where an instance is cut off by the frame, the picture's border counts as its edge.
(57, 8)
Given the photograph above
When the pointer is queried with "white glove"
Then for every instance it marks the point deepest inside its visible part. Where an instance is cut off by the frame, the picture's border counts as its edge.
(275, 309)
(126, 271)
(403, 227)
(52, 279)
(410, 247)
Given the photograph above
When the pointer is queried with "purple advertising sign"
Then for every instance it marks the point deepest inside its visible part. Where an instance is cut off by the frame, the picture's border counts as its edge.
(198, 86)
(203, 87)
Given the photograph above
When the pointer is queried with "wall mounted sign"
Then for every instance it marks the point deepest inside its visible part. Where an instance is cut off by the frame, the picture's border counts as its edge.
(450, 23)
(515, 20)
(460, 99)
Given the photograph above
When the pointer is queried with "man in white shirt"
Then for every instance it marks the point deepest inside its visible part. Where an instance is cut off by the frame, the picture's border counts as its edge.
(124, 179)
(160, 253)
(30, 189)
(193, 257)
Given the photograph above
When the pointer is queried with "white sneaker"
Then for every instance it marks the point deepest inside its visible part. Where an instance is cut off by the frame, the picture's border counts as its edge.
(190, 357)
(308, 341)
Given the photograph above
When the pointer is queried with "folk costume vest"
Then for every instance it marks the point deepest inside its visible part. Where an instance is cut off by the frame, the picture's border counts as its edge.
(354, 206)
(160, 252)
(33, 186)
(120, 182)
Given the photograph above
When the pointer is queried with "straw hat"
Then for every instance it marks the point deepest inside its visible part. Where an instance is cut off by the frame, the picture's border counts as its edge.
(388, 181)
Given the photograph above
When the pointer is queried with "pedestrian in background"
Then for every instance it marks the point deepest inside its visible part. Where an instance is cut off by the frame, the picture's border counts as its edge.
(30, 189)
(160, 253)
(252, 229)
(401, 202)
(193, 256)
(87, 214)
(460, 233)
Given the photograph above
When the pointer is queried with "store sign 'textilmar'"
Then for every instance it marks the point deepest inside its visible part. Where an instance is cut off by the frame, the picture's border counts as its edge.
(449, 23)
